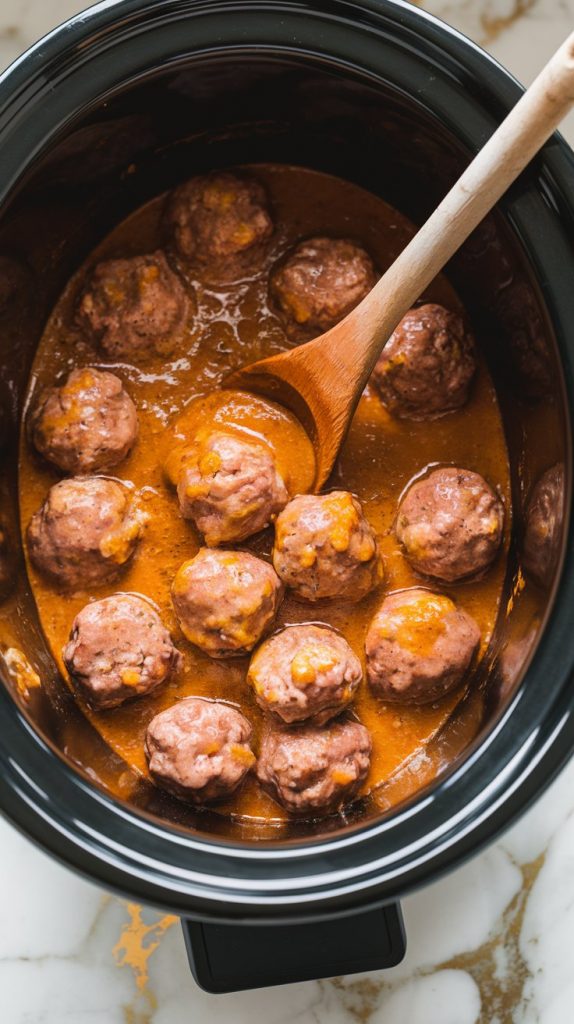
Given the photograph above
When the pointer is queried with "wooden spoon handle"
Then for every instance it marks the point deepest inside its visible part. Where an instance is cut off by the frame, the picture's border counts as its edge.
(523, 132)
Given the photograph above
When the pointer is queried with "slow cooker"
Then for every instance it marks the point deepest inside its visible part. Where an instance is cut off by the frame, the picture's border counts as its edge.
(112, 108)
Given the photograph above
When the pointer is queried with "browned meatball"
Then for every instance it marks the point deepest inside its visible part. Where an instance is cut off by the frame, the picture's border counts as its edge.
(419, 647)
(426, 367)
(225, 601)
(219, 220)
(135, 306)
(230, 488)
(321, 281)
(85, 532)
(305, 673)
(310, 770)
(526, 343)
(199, 749)
(544, 516)
(119, 649)
(88, 424)
(325, 548)
(450, 524)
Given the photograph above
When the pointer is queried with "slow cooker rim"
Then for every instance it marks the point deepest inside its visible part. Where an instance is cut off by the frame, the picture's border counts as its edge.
(74, 31)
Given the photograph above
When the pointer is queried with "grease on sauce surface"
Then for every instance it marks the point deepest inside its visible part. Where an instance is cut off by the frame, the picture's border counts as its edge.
(234, 326)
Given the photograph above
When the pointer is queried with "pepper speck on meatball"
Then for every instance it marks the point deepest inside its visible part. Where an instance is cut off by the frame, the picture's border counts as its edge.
(199, 750)
(325, 547)
(230, 488)
(225, 601)
(321, 281)
(450, 524)
(306, 673)
(134, 307)
(85, 532)
(87, 424)
(419, 647)
(427, 366)
(313, 770)
(119, 649)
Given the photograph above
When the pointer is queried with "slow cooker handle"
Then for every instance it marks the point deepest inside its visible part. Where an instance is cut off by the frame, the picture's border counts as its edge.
(229, 958)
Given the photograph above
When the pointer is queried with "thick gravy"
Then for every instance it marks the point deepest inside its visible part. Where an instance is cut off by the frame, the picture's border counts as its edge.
(235, 325)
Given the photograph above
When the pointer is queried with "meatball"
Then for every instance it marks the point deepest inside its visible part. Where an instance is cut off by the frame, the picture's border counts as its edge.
(526, 343)
(311, 769)
(419, 646)
(230, 488)
(219, 220)
(119, 649)
(85, 531)
(136, 306)
(225, 601)
(427, 365)
(199, 749)
(450, 524)
(321, 281)
(305, 673)
(325, 548)
(544, 516)
(88, 424)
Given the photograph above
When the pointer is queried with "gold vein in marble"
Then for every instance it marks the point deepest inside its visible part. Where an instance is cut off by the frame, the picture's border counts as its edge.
(138, 941)
(501, 988)
(136, 944)
(501, 991)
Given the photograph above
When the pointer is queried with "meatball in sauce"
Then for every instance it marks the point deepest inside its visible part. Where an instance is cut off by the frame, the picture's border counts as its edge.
(136, 306)
(118, 650)
(321, 281)
(225, 601)
(325, 548)
(312, 770)
(87, 424)
(450, 524)
(419, 647)
(306, 673)
(85, 532)
(427, 366)
(230, 488)
(219, 222)
(544, 516)
(199, 750)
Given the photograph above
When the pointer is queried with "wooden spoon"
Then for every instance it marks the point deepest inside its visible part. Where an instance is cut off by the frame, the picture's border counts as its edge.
(322, 381)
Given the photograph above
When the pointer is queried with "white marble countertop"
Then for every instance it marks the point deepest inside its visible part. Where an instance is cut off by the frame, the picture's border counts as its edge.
(491, 944)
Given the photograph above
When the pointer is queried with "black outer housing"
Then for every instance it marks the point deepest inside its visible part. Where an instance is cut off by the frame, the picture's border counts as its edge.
(232, 958)
(372, 864)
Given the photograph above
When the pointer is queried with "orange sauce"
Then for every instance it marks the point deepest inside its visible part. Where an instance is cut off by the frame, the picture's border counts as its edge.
(255, 420)
(234, 325)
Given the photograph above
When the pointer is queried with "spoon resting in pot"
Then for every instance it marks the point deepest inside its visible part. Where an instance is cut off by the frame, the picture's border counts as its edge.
(322, 380)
